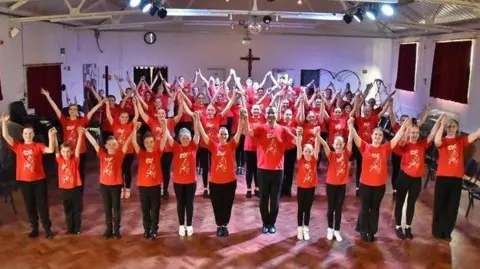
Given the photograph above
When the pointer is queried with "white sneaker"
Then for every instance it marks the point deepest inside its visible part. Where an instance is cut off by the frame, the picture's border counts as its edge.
(330, 234)
(181, 230)
(300, 233)
(306, 236)
(189, 230)
(337, 236)
(122, 194)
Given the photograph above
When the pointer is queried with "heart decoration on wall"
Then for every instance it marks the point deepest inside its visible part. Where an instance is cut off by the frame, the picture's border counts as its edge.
(340, 78)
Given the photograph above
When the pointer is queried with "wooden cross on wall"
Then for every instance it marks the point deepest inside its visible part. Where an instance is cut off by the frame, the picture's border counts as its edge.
(250, 59)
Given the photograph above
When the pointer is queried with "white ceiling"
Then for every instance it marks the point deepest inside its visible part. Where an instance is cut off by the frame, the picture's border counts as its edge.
(418, 17)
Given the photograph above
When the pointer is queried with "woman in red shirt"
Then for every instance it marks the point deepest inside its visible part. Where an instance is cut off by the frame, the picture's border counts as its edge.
(450, 171)
(223, 182)
(272, 139)
(307, 180)
(184, 181)
(250, 150)
(111, 179)
(412, 168)
(374, 177)
(149, 178)
(290, 153)
(69, 182)
(31, 175)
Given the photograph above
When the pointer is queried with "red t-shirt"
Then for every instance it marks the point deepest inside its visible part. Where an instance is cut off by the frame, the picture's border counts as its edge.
(164, 98)
(128, 106)
(211, 127)
(29, 161)
(337, 127)
(223, 162)
(253, 99)
(250, 142)
(374, 164)
(199, 108)
(149, 170)
(338, 168)
(292, 126)
(111, 167)
(184, 163)
(308, 136)
(70, 131)
(450, 157)
(68, 172)
(115, 111)
(413, 158)
(307, 173)
(157, 131)
(271, 145)
(122, 133)
(235, 109)
(366, 126)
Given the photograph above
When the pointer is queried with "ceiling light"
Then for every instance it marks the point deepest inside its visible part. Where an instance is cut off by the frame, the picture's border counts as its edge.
(153, 10)
(145, 6)
(371, 13)
(134, 3)
(387, 10)
(255, 28)
(162, 13)
(267, 19)
(246, 40)
(347, 18)
(299, 2)
(358, 15)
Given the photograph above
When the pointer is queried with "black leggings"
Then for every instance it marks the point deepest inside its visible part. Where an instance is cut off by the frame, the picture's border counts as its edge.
(371, 198)
(111, 202)
(204, 157)
(72, 207)
(304, 205)
(270, 187)
(358, 159)
(335, 198)
(447, 196)
(222, 196)
(127, 170)
(251, 165)
(239, 153)
(406, 185)
(36, 201)
(290, 157)
(166, 163)
(150, 202)
(185, 194)
(396, 161)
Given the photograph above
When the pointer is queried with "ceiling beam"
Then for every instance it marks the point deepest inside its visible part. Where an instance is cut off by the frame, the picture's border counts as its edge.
(462, 3)
(18, 4)
(432, 26)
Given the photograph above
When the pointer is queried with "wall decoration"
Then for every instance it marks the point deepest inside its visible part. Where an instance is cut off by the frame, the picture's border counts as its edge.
(90, 79)
(340, 79)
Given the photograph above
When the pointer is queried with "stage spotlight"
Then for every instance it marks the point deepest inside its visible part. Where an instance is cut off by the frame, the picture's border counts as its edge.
(134, 3)
(371, 13)
(145, 6)
(347, 18)
(153, 10)
(267, 19)
(387, 10)
(162, 13)
(358, 15)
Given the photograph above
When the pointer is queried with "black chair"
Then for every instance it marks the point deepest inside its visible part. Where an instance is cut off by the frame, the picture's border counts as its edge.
(8, 185)
(473, 193)
(471, 174)
(431, 161)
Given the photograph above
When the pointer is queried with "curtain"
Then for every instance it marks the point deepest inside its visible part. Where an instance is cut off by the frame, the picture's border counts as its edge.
(47, 77)
(451, 71)
(306, 76)
(407, 57)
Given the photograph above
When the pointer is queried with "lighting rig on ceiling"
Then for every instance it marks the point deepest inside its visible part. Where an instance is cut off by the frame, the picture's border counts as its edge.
(253, 26)
(370, 10)
(154, 7)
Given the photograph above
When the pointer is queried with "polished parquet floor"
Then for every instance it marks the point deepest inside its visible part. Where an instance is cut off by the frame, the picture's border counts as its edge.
(246, 247)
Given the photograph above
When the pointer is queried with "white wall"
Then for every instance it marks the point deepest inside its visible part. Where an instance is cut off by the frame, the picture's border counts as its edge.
(413, 102)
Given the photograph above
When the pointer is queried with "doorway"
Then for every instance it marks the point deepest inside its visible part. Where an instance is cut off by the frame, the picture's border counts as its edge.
(48, 77)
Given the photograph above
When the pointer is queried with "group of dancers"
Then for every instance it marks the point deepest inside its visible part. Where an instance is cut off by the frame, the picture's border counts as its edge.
(228, 128)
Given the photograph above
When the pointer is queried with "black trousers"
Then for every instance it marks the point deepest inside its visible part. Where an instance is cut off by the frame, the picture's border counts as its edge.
(72, 206)
(204, 157)
(239, 153)
(166, 164)
(358, 160)
(111, 206)
(150, 202)
(185, 194)
(270, 187)
(406, 185)
(447, 196)
(371, 198)
(222, 196)
(396, 161)
(304, 205)
(290, 157)
(335, 198)
(83, 161)
(127, 170)
(36, 202)
(251, 167)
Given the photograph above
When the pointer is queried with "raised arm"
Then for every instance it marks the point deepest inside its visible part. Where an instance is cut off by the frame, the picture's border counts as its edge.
(299, 142)
(141, 111)
(424, 116)
(91, 139)
(94, 109)
(108, 113)
(135, 145)
(52, 133)
(229, 105)
(316, 148)
(78, 147)
(474, 136)
(57, 110)
(434, 130)
(5, 134)
(119, 85)
(356, 138)
(203, 134)
(196, 122)
(439, 134)
(248, 130)
(95, 93)
(323, 143)
(350, 137)
(399, 135)
(128, 141)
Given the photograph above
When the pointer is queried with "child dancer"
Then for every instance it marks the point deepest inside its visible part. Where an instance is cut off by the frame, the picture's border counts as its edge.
(111, 158)
(149, 178)
(306, 181)
(337, 179)
(31, 175)
(70, 182)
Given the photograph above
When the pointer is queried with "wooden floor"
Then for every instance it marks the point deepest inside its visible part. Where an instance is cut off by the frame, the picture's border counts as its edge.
(246, 247)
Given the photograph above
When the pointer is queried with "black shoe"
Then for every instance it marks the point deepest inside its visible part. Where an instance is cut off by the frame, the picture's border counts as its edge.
(371, 237)
(33, 233)
(249, 194)
(272, 229)
(78, 232)
(49, 234)
(146, 235)
(219, 231)
(153, 235)
(265, 229)
(225, 231)
(399, 233)
(205, 194)
(165, 195)
(364, 237)
(408, 233)
(107, 234)
(117, 235)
